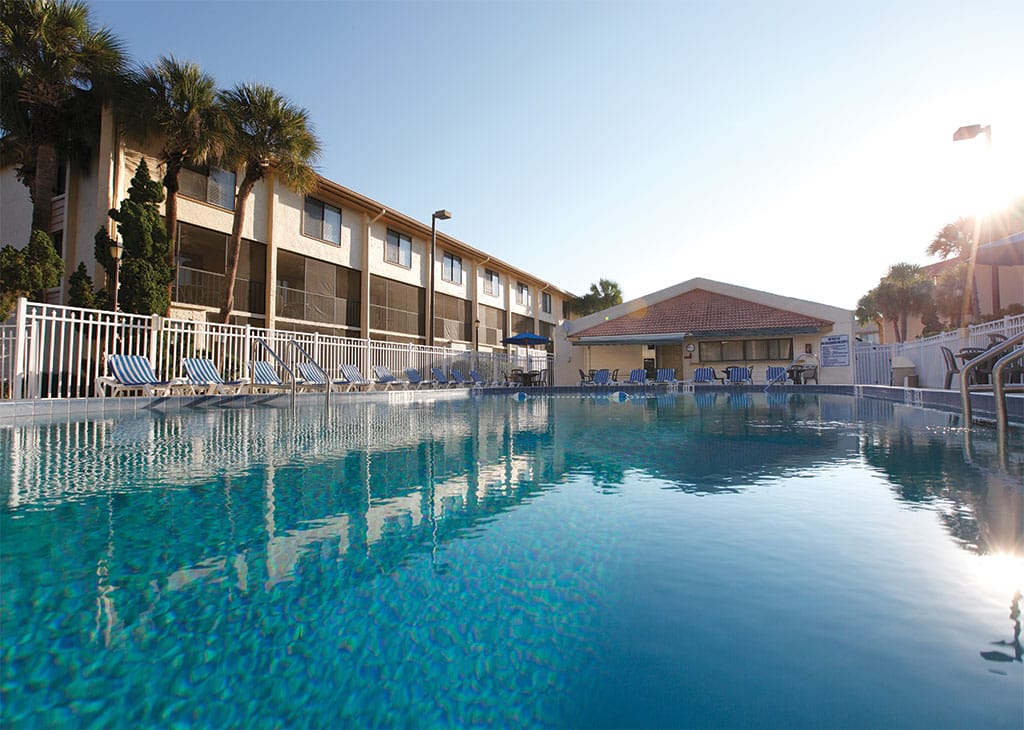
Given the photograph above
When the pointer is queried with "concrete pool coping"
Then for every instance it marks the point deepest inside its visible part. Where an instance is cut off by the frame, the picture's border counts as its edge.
(983, 404)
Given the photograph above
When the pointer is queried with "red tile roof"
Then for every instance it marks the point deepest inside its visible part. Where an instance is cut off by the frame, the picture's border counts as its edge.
(700, 312)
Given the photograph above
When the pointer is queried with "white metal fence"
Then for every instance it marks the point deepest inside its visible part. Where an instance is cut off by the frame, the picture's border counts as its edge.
(874, 363)
(53, 351)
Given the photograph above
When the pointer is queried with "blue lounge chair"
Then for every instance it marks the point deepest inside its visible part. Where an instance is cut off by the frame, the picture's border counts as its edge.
(459, 378)
(666, 375)
(416, 380)
(354, 378)
(134, 373)
(705, 375)
(442, 380)
(602, 377)
(385, 378)
(775, 374)
(313, 378)
(739, 374)
(203, 373)
(637, 376)
(477, 379)
(265, 378)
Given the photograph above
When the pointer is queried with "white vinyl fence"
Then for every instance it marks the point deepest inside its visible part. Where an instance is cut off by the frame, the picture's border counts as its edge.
(53, 351)
(874, 363)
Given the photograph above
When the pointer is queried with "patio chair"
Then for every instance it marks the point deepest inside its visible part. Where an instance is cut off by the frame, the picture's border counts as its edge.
(739, 374)
(951, 367)
(416, 380)
(603, 377)
(637, 376)
(265, 378)
(313, 378)
(810, 373)
(134, 373)
(542, 378)
(384, 377)
(441, 379)
(353, 378)
(585, 378)
(203, 373)
(666, 375)
(705, 375)
(775, 374)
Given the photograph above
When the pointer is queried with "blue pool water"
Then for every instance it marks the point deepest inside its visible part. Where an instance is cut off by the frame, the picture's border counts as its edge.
(735, 560)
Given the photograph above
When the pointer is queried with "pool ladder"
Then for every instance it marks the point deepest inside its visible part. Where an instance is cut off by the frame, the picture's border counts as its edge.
(1014, 350)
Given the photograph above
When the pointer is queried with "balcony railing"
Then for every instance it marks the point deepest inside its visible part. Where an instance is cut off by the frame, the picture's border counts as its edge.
(206, 289)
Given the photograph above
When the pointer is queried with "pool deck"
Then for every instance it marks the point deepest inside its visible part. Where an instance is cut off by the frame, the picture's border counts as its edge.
(983, 404)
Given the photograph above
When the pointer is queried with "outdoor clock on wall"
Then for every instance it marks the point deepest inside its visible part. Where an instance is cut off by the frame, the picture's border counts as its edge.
(690, 347)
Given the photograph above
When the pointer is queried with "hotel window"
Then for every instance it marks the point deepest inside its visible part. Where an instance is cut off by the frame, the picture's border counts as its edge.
(545, 303)
(522, 294)
(209, 184)
(492, 284)
(451, 268)
(398, 249)
(746, 350)
(320, 220)
(396, 307)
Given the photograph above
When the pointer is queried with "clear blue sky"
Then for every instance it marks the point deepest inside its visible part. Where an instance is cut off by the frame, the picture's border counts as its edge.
(796, 147)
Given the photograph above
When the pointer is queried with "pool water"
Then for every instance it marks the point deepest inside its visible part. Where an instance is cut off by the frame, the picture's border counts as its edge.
(724, 560)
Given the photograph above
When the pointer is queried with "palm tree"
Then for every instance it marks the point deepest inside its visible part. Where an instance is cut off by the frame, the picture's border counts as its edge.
(267, 135)
(605, 293)
(905, 290)
(955, 239)
(176, 102)
(56, 70)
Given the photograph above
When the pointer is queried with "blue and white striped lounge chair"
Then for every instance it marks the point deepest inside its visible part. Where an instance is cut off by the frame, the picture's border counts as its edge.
(354, 378)
(203, 373)
(313, 378)
(441, 380)
(775, 374)
(705, 375)
(416, 380)
(740, 374)
(386, 379)
(134, 373)
(265, 378)
(603, 377)
(666, 375)
(637, 376)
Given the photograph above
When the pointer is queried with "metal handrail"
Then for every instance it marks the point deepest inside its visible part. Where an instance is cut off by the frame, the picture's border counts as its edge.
(282, 363)
(968, 367)
(999, 389)
(314, 363)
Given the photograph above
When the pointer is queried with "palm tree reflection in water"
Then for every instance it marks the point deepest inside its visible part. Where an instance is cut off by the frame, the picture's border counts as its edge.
(1018, 649)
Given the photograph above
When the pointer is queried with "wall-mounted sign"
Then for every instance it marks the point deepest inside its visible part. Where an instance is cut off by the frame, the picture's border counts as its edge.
(835, 351)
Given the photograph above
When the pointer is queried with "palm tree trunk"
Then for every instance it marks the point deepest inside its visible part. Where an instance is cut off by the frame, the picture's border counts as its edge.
(44, 186)
(235, 246)
(171, 218)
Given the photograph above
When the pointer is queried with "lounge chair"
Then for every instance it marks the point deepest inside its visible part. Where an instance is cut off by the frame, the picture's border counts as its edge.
(602, 377)
(441, 379)
(353, 377)
(385, 378)
(134, 373)
(265, 378)
(666, 375)
(203, 373)
(416, 380)
(478, 379)
(313, 378)
(775, 374)
(705, 375)
(637, 376)
(459, 378)
(739, 374)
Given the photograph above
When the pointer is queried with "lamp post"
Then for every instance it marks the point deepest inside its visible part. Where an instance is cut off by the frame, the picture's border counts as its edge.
(970, 132)
(435, 216)
(116, 250)
(476, 344)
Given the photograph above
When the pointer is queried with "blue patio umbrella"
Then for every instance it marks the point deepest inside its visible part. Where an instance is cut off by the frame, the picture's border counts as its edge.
(526, 338)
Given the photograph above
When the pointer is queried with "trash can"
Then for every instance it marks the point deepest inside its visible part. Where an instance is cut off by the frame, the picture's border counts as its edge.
(904, 372)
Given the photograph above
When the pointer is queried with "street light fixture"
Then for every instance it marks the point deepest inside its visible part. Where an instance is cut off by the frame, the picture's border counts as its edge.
(116, 250)
(434, 218)
(973, 130)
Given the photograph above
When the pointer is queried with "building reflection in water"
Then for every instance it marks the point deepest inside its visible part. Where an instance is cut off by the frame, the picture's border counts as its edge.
(250, 499)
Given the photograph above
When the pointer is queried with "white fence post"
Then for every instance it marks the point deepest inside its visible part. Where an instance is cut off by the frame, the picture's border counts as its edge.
(18, 381)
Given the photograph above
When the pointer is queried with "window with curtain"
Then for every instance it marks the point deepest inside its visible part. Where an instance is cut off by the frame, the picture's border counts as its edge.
(398, 249)
(522, 294)
(492, 283)
(451, 268)
(209, 184)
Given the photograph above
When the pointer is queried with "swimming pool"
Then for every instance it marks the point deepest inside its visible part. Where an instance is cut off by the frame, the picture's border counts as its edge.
(718, 560)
